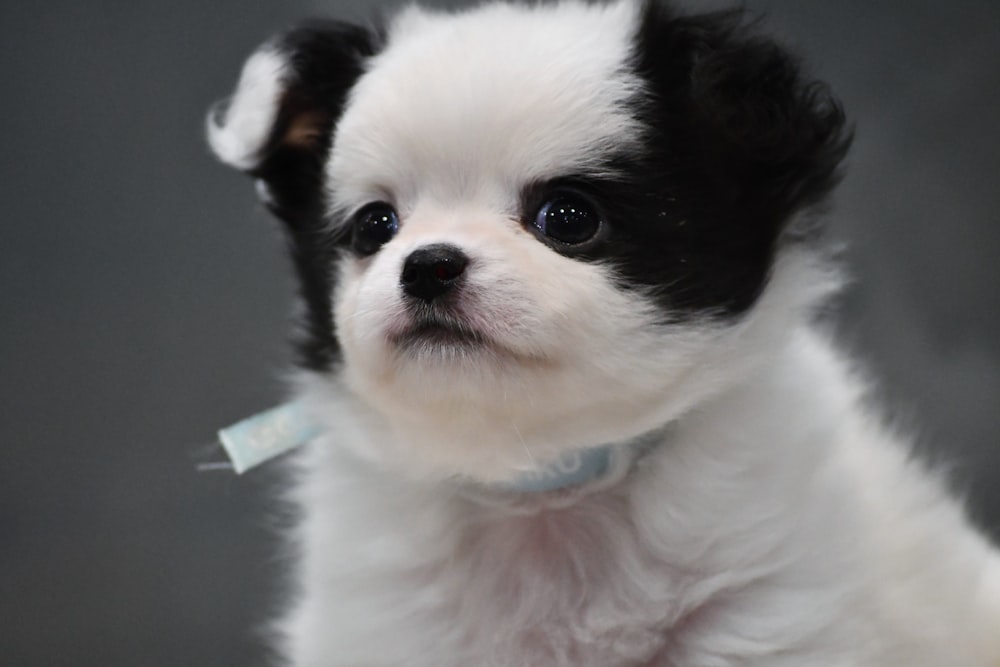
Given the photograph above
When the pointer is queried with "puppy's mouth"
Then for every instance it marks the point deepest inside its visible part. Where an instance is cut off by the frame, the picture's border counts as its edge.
(430, 331)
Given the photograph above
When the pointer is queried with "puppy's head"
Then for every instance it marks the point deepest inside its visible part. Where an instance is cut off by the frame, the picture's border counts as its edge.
(525, 229)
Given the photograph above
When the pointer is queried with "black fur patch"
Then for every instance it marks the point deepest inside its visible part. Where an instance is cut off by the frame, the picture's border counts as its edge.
(326, 60)
(738, 142)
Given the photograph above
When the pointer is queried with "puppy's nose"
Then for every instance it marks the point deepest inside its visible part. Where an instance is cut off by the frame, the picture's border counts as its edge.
(432, 270)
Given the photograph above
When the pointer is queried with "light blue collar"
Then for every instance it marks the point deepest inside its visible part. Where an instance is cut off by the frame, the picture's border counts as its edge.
(573, 468)
(273, 432)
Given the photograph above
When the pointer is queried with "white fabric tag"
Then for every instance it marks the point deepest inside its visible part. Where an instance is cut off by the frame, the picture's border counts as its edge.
(266, 435)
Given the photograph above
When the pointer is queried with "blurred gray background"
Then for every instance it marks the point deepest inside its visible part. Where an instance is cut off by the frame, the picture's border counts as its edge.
(144, 300)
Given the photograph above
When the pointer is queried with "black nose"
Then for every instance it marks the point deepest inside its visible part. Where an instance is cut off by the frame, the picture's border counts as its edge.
(432, 270)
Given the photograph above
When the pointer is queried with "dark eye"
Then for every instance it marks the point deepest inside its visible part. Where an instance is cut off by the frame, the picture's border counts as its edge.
(568, 218)
(374, 226)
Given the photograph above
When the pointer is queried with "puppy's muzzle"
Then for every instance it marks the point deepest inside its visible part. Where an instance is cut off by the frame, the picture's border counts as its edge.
(432, 271)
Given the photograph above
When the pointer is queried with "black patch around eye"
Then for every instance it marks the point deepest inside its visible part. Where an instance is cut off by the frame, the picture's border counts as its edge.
(694, 263)
(662, 235)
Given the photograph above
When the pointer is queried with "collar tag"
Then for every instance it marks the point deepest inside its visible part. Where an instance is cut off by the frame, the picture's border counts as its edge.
(266, 435)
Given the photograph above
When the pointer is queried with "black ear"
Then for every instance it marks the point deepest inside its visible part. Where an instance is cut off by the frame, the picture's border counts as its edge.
(278, 127)
(278, 124)
(761, 139)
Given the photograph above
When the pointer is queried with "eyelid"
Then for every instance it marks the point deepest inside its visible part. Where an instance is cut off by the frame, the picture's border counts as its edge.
(372, 204)
(536, 193)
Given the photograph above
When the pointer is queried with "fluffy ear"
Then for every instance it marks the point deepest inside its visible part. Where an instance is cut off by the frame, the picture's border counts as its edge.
(783, 135)
(277, 126)
(770, 140)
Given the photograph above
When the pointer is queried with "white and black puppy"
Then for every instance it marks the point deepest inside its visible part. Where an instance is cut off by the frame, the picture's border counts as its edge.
(559, 270)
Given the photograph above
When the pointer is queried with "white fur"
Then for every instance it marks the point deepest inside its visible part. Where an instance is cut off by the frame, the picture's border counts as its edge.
(778, 523)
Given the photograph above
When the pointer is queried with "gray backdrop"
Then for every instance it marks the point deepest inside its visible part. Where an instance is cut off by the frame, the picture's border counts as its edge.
(143, 300)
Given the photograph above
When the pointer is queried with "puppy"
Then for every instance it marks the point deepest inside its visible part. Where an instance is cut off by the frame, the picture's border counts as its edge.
(559, 265)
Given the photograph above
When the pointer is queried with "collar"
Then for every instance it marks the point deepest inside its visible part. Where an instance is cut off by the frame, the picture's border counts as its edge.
(576, 468)
(267, 435)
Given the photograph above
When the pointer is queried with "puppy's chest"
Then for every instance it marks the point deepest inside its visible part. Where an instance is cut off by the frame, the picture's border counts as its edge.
(567, 586)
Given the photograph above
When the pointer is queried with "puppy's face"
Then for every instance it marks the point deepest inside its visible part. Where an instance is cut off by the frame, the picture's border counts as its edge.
(521, 230)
